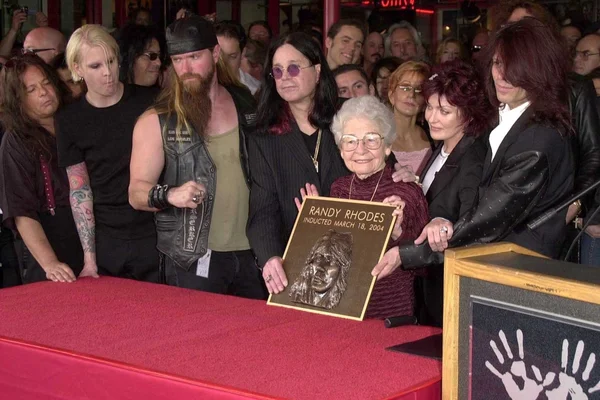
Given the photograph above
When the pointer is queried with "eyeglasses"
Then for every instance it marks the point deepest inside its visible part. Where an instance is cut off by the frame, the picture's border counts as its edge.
(293, 70)
(371, 141)
(152, 55)
(408, 88)
(476, 49)
(34, 51)
(585, 54)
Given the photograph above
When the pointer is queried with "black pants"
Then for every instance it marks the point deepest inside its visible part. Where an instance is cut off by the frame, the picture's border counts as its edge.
(10, 273)
(127, 258)
(429, 297)
(232, 272)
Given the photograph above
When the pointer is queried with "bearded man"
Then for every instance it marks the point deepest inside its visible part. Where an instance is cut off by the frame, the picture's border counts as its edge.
(189, 166)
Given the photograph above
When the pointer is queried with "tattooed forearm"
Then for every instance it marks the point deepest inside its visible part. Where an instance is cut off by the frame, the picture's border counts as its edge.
(82, 206)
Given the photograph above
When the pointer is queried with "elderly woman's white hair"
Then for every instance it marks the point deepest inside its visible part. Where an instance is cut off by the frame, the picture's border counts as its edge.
(413, 32)
(367, 107)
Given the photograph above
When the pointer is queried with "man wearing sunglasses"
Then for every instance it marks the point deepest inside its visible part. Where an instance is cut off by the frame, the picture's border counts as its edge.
(46, 42)
(189, 165)
(478, 43)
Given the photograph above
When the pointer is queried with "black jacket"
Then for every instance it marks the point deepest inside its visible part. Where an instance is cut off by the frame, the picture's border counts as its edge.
(454, 188)
(280, 166)
(531, 172)
(585, 119)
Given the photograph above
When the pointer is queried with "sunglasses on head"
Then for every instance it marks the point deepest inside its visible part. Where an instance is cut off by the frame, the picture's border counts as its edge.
(476, 49)
(293, 70)
(152, 55)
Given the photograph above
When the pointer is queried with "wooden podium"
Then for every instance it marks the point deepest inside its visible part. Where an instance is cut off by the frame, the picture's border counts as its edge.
(513, 320)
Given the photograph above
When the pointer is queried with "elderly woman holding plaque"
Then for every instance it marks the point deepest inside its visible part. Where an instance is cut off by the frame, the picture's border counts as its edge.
(364, 131)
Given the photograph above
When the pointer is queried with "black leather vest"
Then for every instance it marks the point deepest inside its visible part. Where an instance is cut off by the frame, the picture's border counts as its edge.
(182, 234)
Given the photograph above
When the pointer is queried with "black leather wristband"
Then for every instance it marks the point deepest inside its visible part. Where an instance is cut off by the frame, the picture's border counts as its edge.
(157, 197)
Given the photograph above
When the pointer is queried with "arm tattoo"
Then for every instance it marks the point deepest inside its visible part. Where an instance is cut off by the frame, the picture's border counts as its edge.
(82, 206)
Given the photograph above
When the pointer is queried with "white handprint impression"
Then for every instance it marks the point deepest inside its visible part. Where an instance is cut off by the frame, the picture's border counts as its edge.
(531, 388)
(568, 383)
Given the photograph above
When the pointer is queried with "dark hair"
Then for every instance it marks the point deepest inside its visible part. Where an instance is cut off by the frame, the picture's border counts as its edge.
(501, 12)
(274, 115)
(337, 27)
(256, 52)
(133, 41)
(389, 63)
(534, 57)
(463, 87)
(264, 24)
(312, 32)
(12, 113)
(342, 69)
(232, 30)
(59, 62)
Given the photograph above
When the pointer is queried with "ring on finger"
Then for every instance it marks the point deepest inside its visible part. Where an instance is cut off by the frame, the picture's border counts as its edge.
(268, 279)
(196, 198)
(444, 229)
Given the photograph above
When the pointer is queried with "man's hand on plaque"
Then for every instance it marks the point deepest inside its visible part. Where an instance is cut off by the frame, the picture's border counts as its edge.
(308, 190)
(397, 202)
(188, 195)
(404, 173)
(388, 263)
(438, 231)
(274, 275)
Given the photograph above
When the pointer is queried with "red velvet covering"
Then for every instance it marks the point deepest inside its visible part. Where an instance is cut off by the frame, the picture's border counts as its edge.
(113, 338)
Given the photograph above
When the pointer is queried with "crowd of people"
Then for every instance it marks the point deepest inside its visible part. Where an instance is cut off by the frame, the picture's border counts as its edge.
(182, 157)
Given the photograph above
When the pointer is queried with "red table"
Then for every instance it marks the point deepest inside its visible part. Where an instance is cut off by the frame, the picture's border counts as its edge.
(113, 338)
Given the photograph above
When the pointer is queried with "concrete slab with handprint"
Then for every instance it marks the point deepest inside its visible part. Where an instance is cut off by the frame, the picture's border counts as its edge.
(529, 356)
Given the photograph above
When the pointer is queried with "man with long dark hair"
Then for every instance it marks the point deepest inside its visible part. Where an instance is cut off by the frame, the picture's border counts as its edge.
(188, 165)
(293, 146)
(584, 115)
(34, 191)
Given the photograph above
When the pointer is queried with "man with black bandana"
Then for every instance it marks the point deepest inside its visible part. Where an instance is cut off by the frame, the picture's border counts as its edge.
(189, 165)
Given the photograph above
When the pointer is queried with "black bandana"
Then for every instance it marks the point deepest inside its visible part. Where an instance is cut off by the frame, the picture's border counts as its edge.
(190, 34)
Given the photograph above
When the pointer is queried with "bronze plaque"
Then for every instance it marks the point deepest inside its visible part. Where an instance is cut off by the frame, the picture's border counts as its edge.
(330, 255)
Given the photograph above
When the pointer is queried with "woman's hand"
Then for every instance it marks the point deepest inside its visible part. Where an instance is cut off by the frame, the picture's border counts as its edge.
(274, 275)
(59, 272)
(437, 232)
(397, 202)
(388, 263)
(308, 190)
(404, 173)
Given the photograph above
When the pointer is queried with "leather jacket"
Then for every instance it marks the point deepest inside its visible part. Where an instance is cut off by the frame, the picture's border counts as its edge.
(585, 119)
(182, 234)
(531, 172)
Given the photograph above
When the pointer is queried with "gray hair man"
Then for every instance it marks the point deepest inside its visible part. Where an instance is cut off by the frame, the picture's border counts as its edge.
(403, 41)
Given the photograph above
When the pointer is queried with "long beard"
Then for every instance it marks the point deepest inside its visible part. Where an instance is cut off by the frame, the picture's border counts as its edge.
(197, 105)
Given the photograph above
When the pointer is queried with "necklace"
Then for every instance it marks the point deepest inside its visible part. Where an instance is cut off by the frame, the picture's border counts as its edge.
(376, 186)
(316, 156)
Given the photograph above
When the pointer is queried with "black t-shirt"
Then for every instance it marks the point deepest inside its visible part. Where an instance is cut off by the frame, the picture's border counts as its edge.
(102, 137)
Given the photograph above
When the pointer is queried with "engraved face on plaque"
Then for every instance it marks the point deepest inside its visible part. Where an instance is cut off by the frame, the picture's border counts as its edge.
(323, 279)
